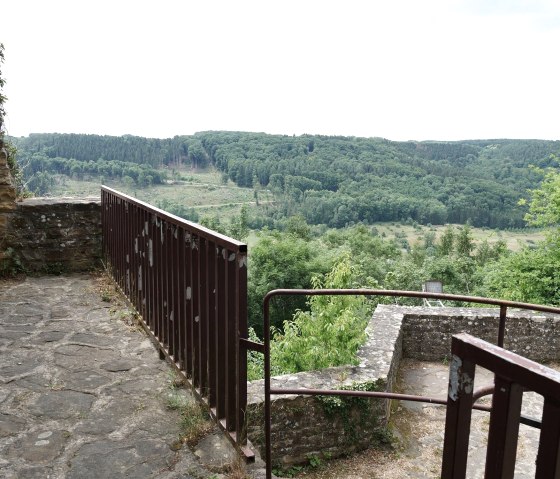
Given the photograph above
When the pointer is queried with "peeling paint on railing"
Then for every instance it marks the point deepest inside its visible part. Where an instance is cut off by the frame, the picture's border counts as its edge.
(191, 296)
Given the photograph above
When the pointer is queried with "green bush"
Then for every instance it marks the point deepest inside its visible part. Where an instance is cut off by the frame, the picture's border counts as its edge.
(330, 333)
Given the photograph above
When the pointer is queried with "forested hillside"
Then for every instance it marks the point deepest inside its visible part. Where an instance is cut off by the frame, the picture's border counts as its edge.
(335, 181)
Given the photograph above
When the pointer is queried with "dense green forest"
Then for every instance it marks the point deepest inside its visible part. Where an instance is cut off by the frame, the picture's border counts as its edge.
(335, 181)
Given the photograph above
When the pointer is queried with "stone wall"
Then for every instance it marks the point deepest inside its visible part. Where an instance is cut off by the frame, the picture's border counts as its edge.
(7, 193)
(427, 332)
(51, 235)
(301, 425)
(305, 426)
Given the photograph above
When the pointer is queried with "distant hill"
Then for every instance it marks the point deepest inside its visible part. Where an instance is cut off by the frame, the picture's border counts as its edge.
(341, 180)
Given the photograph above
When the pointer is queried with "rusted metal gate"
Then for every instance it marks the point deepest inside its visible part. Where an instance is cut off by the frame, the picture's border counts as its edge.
(500, 333)
(513, 375)
(189, 285)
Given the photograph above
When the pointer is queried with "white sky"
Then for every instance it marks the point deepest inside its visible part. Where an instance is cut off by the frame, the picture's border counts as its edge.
(403, 70)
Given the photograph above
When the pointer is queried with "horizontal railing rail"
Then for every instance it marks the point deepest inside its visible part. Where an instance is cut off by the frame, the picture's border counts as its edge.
(189, 285)
(265, 348)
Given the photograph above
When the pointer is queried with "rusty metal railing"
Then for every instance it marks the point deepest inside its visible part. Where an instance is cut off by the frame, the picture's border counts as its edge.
(265, 349)
(189, 285)
(513, 375)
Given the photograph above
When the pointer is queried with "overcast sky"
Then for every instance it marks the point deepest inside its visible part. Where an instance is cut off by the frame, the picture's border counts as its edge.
(402, 70)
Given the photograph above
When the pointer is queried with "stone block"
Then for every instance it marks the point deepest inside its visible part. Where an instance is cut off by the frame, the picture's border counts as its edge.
(54, 235)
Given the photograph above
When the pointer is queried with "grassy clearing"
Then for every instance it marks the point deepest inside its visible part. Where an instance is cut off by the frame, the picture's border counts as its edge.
(200, 190)
(515, 240)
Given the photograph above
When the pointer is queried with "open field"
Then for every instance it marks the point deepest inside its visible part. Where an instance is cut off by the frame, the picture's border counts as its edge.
(204, 192)
(415, 234)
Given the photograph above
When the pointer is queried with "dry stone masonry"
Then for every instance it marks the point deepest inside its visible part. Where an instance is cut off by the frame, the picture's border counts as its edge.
(52, 235)
(47, 235)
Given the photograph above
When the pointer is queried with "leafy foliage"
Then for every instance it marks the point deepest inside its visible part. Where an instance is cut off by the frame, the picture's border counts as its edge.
(533, 274)
(39, 171)
(5, 145)
(544, 209)
(281, 261)
(330, 333)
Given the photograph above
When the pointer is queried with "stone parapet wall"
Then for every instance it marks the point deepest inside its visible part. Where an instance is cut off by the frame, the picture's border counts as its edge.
(427, 332)
(52, 235)
(302, 426)
(306, 426)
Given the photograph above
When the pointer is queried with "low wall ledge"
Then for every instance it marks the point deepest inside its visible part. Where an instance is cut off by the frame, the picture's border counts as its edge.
(59, 201)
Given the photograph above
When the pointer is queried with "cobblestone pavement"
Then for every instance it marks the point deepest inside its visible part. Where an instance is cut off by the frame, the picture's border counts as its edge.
(83, 392)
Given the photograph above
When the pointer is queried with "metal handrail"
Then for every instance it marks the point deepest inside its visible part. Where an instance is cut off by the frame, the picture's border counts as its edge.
(265, 347)
(189, 285)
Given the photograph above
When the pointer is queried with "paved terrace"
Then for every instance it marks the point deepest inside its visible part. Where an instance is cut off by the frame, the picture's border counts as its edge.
(83, 392)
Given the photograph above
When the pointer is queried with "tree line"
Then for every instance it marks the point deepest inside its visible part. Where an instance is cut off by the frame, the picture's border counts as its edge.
(337, 181)
(40, 170)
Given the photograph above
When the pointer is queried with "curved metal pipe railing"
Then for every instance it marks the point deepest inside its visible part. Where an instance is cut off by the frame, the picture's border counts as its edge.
(265, 348)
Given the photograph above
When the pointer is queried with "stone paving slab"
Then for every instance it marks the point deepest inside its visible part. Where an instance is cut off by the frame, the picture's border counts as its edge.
(422, 425)
(83, 393)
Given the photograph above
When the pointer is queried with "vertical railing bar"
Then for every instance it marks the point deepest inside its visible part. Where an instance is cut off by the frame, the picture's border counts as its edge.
(175, 294)
(137, 250)
(132, 247)
(458, 414)
(196, 288)
(157, 271)
(203, 316)
(164, 282)
(154, 228)
(131, 239)
(212, 323)
(117, 254)
(502, 327)
(548, 455)
(220, 333)
(232, 340)
(181, 297)
(241, 352)
(120, 236)
(504, 429)
(143, 245)
(161, 287)
(105, 223)
(126, 246)
(189, 311)
(168, 292)
(150, 271)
